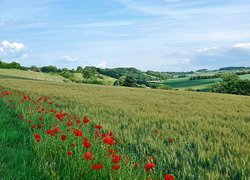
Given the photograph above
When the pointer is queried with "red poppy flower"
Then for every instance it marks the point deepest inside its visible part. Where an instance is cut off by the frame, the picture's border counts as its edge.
(73, 145)
(78, 132)
(85, 120)
(86, 143)
(49, 131)
(69, 153)
(116, 158)
(37, 137)
(78, 121)
(63, 137)
(70, 123)
(97, 133)
(21, 116)
(97, 166)
(60, 116)
(33, 126)
(109, 140)
(88, 156)
(168, 177)
(170, 140)
(55, 130)
(98, 126)
(149, 166)
(116, 167)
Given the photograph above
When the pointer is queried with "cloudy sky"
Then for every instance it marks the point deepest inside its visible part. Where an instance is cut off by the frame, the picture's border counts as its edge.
(164, 35)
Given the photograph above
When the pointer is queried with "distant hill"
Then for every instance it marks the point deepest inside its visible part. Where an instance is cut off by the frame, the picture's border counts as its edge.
(201, 79)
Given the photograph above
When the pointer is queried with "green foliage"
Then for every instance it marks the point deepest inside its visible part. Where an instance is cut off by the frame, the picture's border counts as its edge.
(159, 86)
(89, 72)
(205, 76)
(130, 81)
(139, 76)
(12, 65)
(79, 69)
(67, 75)
(18, 159)
(160, 75)
(48, 69)
(120, 81)
(35, 69)
(232, 84)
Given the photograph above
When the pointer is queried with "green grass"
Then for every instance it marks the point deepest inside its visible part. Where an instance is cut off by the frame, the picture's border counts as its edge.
(18, 159)
(246, 76)
(183, 83)
(22, 74)
(211, 131)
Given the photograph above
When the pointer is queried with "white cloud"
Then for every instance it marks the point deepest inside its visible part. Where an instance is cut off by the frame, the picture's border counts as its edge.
(242, 45)
(206, 49)
(102, 64)
(10, 50)
(69, 59)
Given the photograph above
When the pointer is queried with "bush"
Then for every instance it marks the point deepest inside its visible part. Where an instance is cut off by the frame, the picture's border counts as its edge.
(232, 84)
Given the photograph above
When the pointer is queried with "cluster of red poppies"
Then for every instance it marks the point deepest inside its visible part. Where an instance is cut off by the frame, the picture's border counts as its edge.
(40, 113)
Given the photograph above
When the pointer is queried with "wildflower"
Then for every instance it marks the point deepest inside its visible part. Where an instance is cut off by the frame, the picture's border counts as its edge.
(109, 140)
(116, 167)
(70, 123)
(37, 137)
(69, 153)
(63, 137)
(78, 121)
(98, 126)
(86, 143)
(116, 158)
(49, 131)
(88, 156)
(40, 118)
(170, 140)
(97, 166)
(168, 177)
(55, 130)
(85, 120)
(78, 132)
(149, 166)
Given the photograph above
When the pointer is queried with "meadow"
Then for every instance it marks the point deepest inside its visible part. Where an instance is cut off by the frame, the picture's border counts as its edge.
(190, 135)
(21, 74)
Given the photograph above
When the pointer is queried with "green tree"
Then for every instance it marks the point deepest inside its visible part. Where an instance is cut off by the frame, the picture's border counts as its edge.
(89, 72)
(232, 84)
(47, 69)
(79, 69)
(130, 81)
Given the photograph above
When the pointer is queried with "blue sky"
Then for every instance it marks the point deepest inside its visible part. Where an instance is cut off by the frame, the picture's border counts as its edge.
(163, 35)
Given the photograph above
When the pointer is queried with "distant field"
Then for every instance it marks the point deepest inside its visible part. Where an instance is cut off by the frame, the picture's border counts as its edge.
(210, 131)
(15, 73)
(184, 83)
(246, 76)
(201, 84)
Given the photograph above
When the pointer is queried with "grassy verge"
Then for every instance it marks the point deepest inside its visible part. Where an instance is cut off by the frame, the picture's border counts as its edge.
(17, 159)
